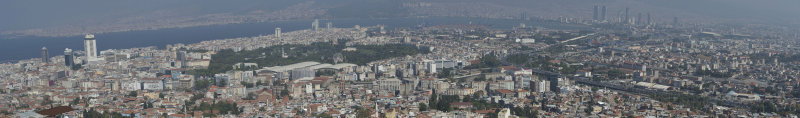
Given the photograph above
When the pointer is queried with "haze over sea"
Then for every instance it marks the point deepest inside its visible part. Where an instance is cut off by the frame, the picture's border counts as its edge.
(19, 48)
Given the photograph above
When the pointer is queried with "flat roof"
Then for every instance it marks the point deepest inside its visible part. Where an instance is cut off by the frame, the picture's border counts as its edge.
(318, 66)
(309, 64)
(341, 65)
(291, 66)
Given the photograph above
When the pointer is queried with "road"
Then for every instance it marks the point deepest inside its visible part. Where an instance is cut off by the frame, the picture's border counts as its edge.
(631, 89)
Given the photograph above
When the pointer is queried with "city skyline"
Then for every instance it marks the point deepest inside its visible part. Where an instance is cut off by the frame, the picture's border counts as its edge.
(398, 59)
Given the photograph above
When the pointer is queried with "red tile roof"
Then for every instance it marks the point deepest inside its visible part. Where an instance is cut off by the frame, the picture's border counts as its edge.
(55, 111)
(505, 91)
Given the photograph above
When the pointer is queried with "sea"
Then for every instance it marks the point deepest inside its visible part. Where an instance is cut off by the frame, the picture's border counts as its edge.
(13, 49)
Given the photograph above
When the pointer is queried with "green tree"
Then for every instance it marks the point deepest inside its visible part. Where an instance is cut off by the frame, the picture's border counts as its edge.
(284, 92)
(75, 101)
(446, 73)
(323, 115)
(201, 84)
(250, 96)
(432, 101)
(423, 107)
(518, 59)
(246, 84)
(362, 112)
(132, 94)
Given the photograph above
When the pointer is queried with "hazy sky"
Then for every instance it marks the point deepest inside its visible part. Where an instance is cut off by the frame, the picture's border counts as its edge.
(24, 14)
(20, 14)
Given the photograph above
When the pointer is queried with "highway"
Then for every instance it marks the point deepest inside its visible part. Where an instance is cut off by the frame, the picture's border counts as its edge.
(631, 89)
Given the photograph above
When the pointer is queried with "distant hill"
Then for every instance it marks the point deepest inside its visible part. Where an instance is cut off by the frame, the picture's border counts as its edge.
(60, 18)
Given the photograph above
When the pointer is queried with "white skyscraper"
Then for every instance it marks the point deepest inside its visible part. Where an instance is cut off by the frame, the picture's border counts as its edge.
(315, 24)
(278, 32)
(329, 25)
(90, 45)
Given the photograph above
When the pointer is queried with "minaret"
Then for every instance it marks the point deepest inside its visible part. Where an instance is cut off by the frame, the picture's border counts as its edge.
(90, 45)
(45, 56)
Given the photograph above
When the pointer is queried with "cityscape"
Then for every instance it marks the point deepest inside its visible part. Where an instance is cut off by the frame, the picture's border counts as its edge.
(605, 62)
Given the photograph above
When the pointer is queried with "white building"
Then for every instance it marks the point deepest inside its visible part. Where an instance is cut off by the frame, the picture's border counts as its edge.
(278, 32)
(90, 46)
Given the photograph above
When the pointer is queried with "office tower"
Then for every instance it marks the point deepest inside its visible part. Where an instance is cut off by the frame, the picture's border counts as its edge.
(639, 19)
(69, 58)
(45, 56)
(603, 13)
(627, 18)
(278, 32)
(648, 19)
(315, 24)
(675, 20)
(89, 44)
(596, 15)
(382, 31)
(180, 55)
(329, 25)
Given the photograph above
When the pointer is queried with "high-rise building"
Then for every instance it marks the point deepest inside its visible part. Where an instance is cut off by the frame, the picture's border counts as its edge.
(90, 45)
(69, 58)
(627, 17)
(603, 13)
(278, 32)
(596, 14)
(675, 20)
(382, 31)
(181, 57)
(315, 24)
(639, 19)
(648, 19)
(329, 25)
(45, 56)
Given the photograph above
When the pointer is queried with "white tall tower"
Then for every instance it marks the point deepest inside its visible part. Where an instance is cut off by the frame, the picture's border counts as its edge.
(315, 24)
(329, 25)
(90, 45)
(278, 32)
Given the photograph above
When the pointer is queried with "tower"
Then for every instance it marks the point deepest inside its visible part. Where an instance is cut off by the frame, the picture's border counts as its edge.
(90, 45)
(643, 71)
(181, 56)
(596, 15)
(603, 13)
(382, 31)
(278, 32)
(648, 19)
(639, 19)
(69, 59)
(315, 24)
(45, 56)
(627, 18)
(675, 20)
(329, 25)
